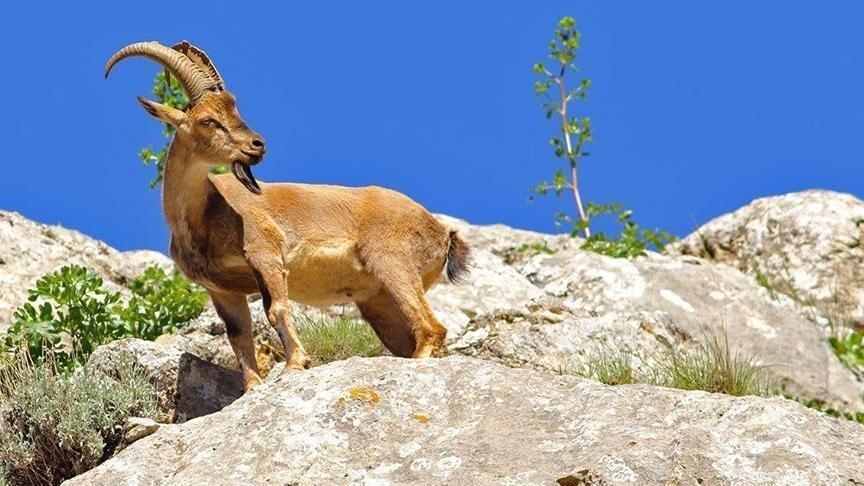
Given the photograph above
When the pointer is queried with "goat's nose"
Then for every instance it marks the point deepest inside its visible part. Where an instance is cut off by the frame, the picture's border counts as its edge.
(258, 143)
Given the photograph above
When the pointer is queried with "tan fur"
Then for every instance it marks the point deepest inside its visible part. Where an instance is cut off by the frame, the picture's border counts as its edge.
(312, 244)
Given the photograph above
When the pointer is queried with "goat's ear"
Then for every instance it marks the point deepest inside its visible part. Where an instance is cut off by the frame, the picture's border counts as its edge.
(171, 116)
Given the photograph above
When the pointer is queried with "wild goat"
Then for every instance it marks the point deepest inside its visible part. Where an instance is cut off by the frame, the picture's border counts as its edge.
(312, 244)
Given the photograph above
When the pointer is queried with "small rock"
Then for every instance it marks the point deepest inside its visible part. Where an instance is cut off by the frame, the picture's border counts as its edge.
(137, 428)
(186, 386)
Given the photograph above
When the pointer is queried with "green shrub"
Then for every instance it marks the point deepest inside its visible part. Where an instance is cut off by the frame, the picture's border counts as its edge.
(573, 132)
(54, 426)
(821, 406)
(631, 242)
(327, 341)
(69, 313)
(848, 347)
(69, 304)
(160, 304)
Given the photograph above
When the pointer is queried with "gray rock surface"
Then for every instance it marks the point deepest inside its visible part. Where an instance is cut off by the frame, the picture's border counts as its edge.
(678, 300)
(513, 246)
(491, 284)
(187, 386)
(136, 428)
(808, 245)
(465, 421)
(548, 336)
(29, 250)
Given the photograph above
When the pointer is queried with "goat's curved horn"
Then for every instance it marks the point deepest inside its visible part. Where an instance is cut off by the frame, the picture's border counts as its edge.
(195, 80)
(199, 57)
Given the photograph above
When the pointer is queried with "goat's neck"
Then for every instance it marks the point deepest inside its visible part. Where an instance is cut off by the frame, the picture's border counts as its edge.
(185, 192)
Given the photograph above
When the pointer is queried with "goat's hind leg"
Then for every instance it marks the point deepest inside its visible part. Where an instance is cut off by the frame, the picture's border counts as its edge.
(390, 324)
(401, 310)
(234, 311)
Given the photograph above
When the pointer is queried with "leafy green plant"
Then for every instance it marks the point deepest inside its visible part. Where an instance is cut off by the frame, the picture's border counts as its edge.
(69, 304)
(55, 426)
(632, 241)
(821, 406)
(575, 132)
(848, 347)
(333, 340)
(160, 303)
(168, 91)
(569, 144)
(69, 313)
(534, 249)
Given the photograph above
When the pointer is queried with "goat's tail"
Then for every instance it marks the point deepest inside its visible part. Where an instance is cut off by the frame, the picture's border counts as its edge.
(458, 258)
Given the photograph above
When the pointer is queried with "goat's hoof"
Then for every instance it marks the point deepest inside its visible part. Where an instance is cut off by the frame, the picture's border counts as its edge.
(251, 382)
(298, 365)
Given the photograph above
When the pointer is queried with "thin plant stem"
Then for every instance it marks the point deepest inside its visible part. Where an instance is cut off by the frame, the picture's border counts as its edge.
(572, 156)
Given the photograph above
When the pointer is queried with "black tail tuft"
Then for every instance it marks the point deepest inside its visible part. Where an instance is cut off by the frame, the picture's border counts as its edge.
(458, 259)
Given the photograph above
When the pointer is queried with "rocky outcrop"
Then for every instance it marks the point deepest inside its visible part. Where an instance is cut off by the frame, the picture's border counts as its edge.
(205, 338)
(468, 421)
(546, 335)
(491, 284)
(29, 250)
(807, 245)
(513, 246)
(186, 385)
(648, 303)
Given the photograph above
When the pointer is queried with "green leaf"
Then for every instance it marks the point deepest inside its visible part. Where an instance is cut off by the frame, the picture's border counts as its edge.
(541, 87)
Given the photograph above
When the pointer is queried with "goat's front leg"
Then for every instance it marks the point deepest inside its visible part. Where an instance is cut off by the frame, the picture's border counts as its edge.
(234, 311)
(274, 295)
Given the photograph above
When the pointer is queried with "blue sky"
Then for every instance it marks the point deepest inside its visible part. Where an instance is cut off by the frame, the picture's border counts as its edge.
(697, 108)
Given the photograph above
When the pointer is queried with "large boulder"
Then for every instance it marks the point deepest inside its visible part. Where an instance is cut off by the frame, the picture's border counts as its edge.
(467, 421)
(808, 245)
(186, 385)
(546, 335)
(29, 250)
(490, 284)
(664, 301)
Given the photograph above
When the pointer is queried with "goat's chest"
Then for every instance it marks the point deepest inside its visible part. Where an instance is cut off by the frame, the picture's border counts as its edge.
(212, 268)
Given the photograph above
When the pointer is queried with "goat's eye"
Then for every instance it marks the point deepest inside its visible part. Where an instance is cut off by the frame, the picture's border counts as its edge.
(209, 122)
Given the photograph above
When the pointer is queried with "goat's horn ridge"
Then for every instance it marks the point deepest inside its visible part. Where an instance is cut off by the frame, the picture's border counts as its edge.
(199, 57)
(194, 79)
